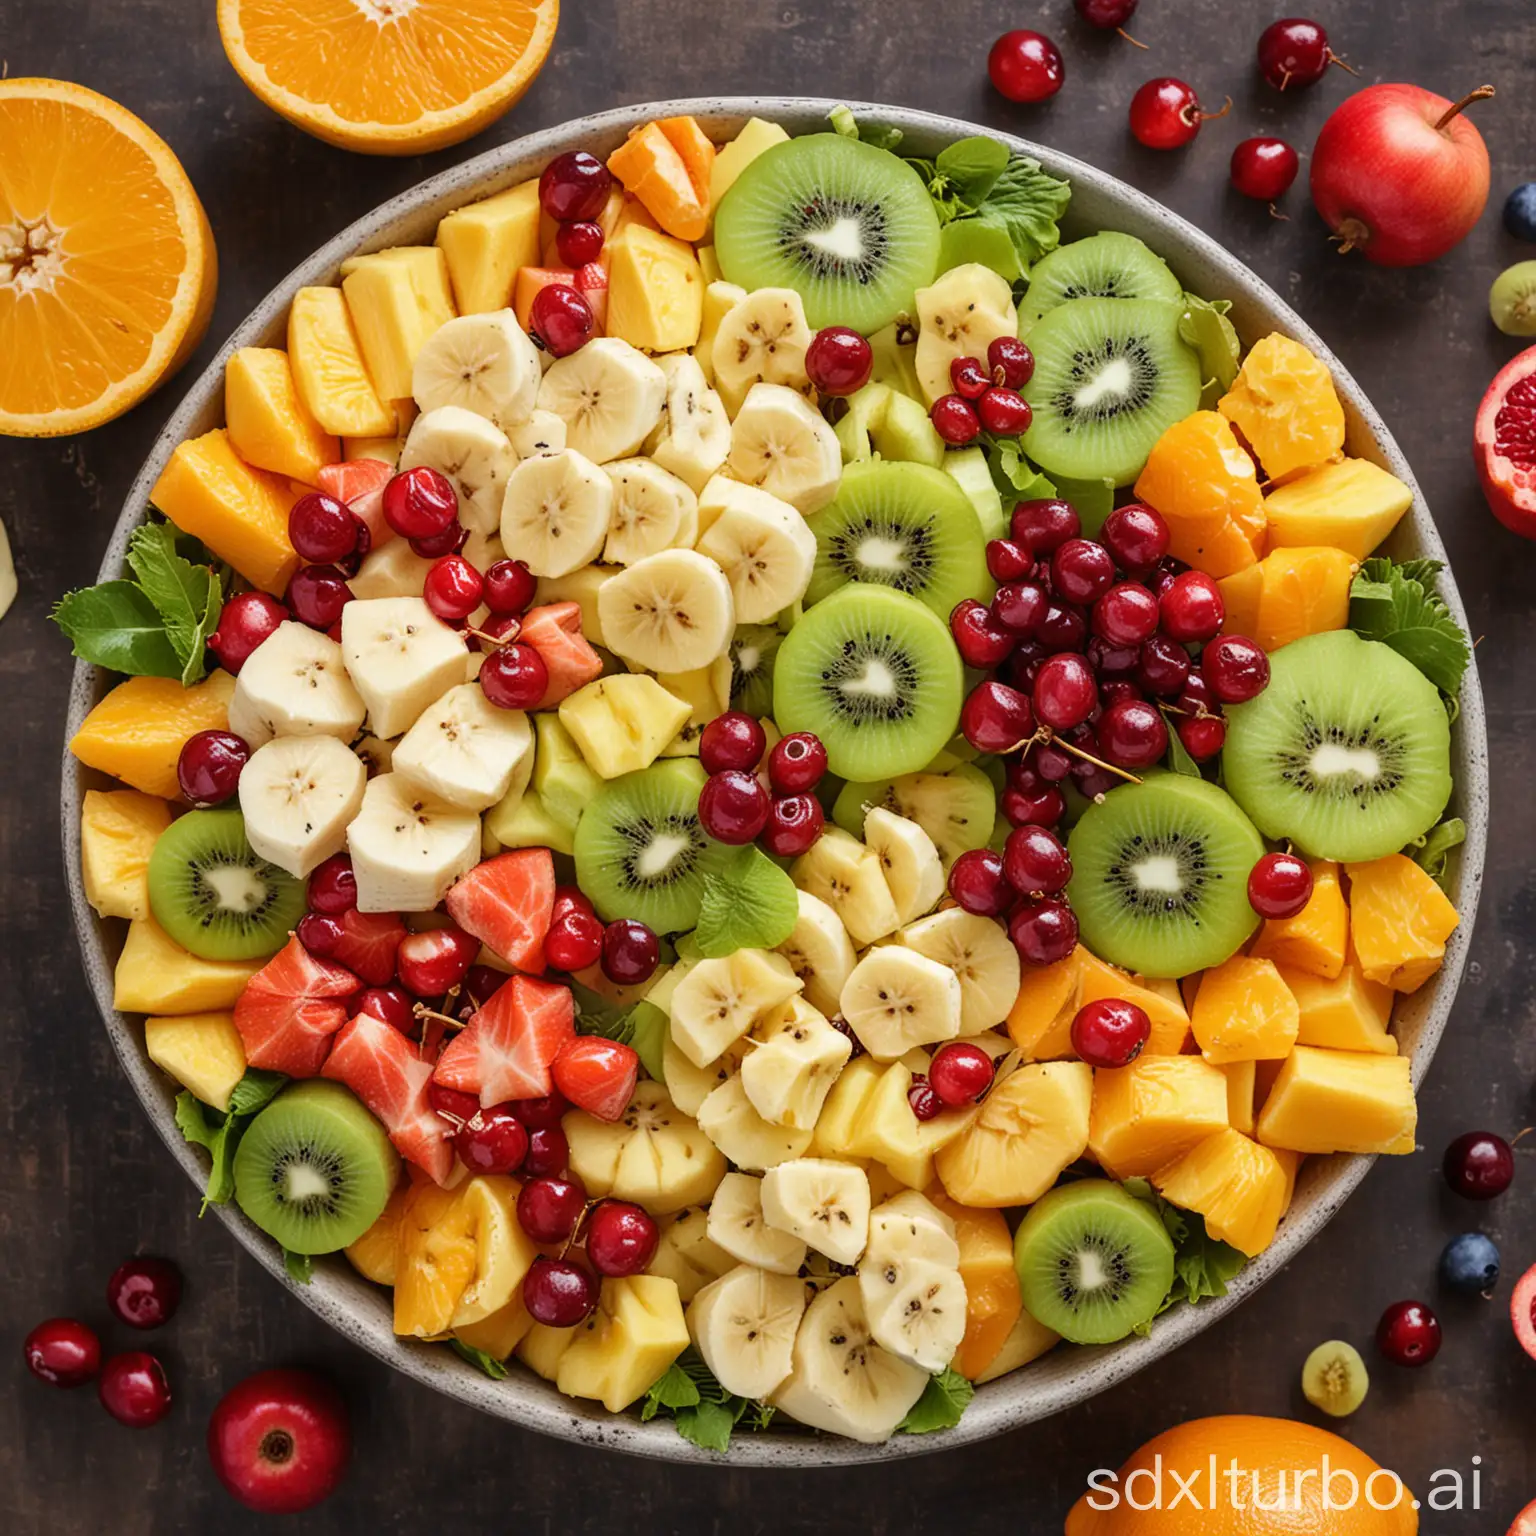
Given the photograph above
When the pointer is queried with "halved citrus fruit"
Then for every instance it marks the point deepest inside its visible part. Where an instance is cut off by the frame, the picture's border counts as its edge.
(388, 77)
(107, 265)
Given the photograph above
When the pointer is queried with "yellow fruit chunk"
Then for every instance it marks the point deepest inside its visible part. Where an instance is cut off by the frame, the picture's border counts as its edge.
(839, 1126)
(118, 828)
(1290, 1165)
(655, 291)
(636, 1332)
(156, 975)
(1399, 921)
(993, 1301)
(269, 426)
(1302, 592)
(1284, 404)
(398, 299)
(1239, 1187)
(757, 135)
(1340, 1101)
(202, 1051)
(1240, 594)
(385, 449)
(1040, 1022)
(1152, 1111)
(622, 722)
(503, 1253)
(1316, 938)
(500, 1333)
(328, 368)
(1031, 1126)
(1244, 1012)
(435, 1260)
(889, 1132)
(240, 513)
(107, 265)
(707, 693)
(1240, 1076)
(581, 587)
(1352, 505)
(485, 243)
(1027, 1340)
(375, 1253)
(685, 1254)
(388, 79)
(1345, 1013)
(137, 731)
(541, 1347)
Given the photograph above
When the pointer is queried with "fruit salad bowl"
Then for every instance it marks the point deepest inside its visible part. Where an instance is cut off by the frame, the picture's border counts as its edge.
(360, 1310)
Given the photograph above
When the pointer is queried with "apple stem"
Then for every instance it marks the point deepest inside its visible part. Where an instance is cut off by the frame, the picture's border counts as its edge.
(1131, 40)
(1350, 234)
(1275, 213)
(1482, 93)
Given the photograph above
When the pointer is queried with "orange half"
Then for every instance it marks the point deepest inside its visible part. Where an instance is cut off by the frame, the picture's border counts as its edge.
(107, 265)
(388, 77)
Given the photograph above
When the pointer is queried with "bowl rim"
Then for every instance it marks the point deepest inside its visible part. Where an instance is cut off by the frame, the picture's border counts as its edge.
(338, 1295)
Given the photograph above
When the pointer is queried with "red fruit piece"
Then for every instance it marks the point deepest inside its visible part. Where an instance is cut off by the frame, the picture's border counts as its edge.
(506, 1050)
(386, 1072)
(1504, 443)
(597, 1075)
(431, 962)
(280, 1441)
(360, 483)
(1522, 1311)
(1525, 1522)
(290, 1009)
(369, 944)
(554, 631)
(508, 903)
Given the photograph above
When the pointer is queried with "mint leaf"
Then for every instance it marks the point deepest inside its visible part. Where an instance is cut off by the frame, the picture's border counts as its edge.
(708, 1426)
(750, 904)
(941, 1406)
(1202, 1265)
(478, 1358)
(970, 168)
(115, 625)
(1435, 847)
(1398, 606)
(672, 1390)
(219, 1132)
(255, 1091)
(300, 1266)
(187, 597)
(1027, 203)
(1014, 476)
(1205, 327)
(1178, 754)
(702, 1410)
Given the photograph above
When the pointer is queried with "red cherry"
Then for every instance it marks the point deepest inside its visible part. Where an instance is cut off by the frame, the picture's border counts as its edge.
(515, 677)
(1020, 607)
(1026, 66)
(321, 529)
(209, 766)
(1408, 1333)
(579, 242)
(1007, 561)
(133, 1389)
(1126, 615)
(574, 186)
(280, 1441)
(1109, 15)
(62, 1352)
(839, 360)
(1065, 693)
(317, 594)
(1004, 412)
(333, 886)
(1110, 1032)
(541, 1114)
(1043, 931)
(1081, 571)
(1279, 886)
(549, 1154)
(1062, 628)
(1043, 526)
(245, 621)
(1162, 666)
(1235, 668)
(978, 884)
(1035, 862)
(797, 763)
(960, 1073)
(1193, 608)
(1166, 114)
(1136, 536)
(320, 934)
(420, 503)
(968, 378)
(574, 941)
(954, 419)
(1132, 733)
(561, 318)
(733, 806)
(558, 1293)
(570, 898)
(794, 824)
(980, 636)
(1203, 736)
(483, 982)
(144, 1292)
(1479, 1165)
(1011, 363)
(631, 952)
(436, 960)
(621, 1238)
(492, 1141)
(509, 587)
(453, 588)
(449, 542)
(732, 740)
(549, 1209)
(1044, 808)
(389, 1005)
(1294, 53)
(996, 718)
(925, 1103)
(1264, 168)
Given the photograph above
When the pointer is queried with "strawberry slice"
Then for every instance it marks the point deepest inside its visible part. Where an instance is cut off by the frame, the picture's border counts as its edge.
(360, 483)
(290, 1009)
(369, 942)
(508, 903)
(382, 1068)
(597, 1075)
(554, 631)
(505, 1050)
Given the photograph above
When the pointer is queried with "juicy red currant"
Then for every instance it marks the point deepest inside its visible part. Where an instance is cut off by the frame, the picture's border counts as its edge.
(1193, 608)
(1132, 733)
(133, 1389)
(1136, 536)
(1408, 1333)
(960, 1073)
(797, 763)
(995, 717)
(209, 766)
(390, 1005)
(1010, 362)
(968, 378)
(1007, 561)
(1165, 113)
(1020, 607)
(732, 740)
(1004, 412)
(449, 542)
(1264, 168)
(621, 1238)
(561, 318)
(838, 360)
(1110, 15)
(1279, 886)
(1043, 808)
(631, 952)
(317, 594)
(574, 941)
(548, 1151)
(541, 1114)
(144, 1292)
(794, 824)
(514, 677)
(549, 1209)
(733, 806)
(420, 503)
(578, 242)
(333, 886)
(436, 960)
(62, 1352)
(954, 419)
(1043, 526)
(492, 1141)
(978, 883)
(1035, 862)
(319, 934)
(924, 1101)
(982, 639)
(574, 186)
(1062, 628)
(453, 588)
(1065, 693)
(245, 621)
(1294, 53)
(1081, 571)
(1026, 66)
(1235, 668)
(1043, 931)
(1162, 666)
(509, 587)
(1126, 615)
(1479, 1165)
(1110, 1032)
(558, 1293)
(321, 529)
(1203, 736)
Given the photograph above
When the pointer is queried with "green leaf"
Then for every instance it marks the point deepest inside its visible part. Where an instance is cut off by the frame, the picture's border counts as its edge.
(1203, 1266)
(966, 240)
(187, 597)
(192, 1121)
(648, 1034)
(478, 1358)
(970, 168)
(300, 1266)
(595, 1015)
(1178, 754)
(844, 123)
(1435, 847)
(751, 904)
(1014, 476)
(842, 119)
(1027, 204)
(708, 1426)
(941, 1405)
(255, 1091)
(116, 626)
(1094, 500)
(1205, 327)
(220, 1135)
(672, 1390)
(1403, 610)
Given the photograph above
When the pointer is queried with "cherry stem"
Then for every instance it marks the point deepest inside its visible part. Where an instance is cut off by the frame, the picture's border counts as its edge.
(1275, 213)
(496, 640)
(1482, 93)
(1131, 40)
(1201, 116)
(421, 1011)
(1045, 733)
(1344, 64)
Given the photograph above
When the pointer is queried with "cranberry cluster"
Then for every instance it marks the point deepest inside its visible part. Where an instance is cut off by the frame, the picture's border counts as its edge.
(573, 191)
(735, 806)
(986, 396)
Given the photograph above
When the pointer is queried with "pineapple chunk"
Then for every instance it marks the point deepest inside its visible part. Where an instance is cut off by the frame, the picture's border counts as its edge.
(522, 821)
(561, 778)
(202, 1051)
(398, 299)
(1315, 939)
(500, 1333)
(636, 1332)
(1340, 1101)
(485, 243)
(1345, 1013)
(621, 723)
(686, 1255)
(581, 587)
(655, 291)
(839, 1127)
(1352, 505)
(720, 298)
(1241, 1077)
(269, 424)
(137, 732)
(757, 135)
(1153, 1111)
(156, 975)
(542, 1347)
(118, 829)
(1283, 402)
(707, 692)
(1244, 1012)
(1400, 921)
(1027, 1340)
(1239, 1187)
(890, 1133)
(329, 373)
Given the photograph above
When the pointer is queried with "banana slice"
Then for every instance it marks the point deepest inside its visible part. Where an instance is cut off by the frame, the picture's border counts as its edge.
(766, 550)
(823, 1202)
(719, 1001)
(897, 998)
(789, 1075)
(720, 298)
(910, 1226)
(783, 444)
(738, 1227)
(652, 1154)
(543, 432)
(959, 315)
(819, 952)
(690, 1085)
(842, 872)
(609, 395)
(980, 954)
(556, 511)
(744, 1326)
(915, 1308)
(465, 750)
(670, 612)
(652, 510)
(407, 848)
(762, 339)
(472, 451)
(693, 436)
(685, 1254)
(913, 870)
(484, 363)
(298, 794)
(295, 683)
(400, 657)
(741, 1134)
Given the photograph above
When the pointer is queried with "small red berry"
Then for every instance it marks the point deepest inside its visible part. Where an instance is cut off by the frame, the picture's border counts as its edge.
(133, 1389)
(578, 242)
(574, 186)
(453, 588)
(797, 763)
(1010, 361)
(1136, 536)
(839, 360)
(960, 1073)
(1110, 1032)
(574, 941)
(514, 677)
(621, 1238)
(982, 639)
(968, 377)
(1264, 168)
(558, 1293)
(145, 1292)
(1279, 886)
(209, 767)
(492, 1141)
(1166, 114)
(1004, 412)
(1043, 931)
(1044, 525)
(317, 594)
(954, 419)
(245, 621)
(793, 826)
(733, 806)
(1026, 66)
(549, 1209)
(561, 318)
(509, 587)
(1007, 561)
(924, 1101)
(333, 886)
(62, 1352)
(1479, 1165)
(1202, 735)
(631, 952)
(732, 740)
(1235, 668)
(321, 529)
(1193, 608)
(996, 718)
(978, 883)
(420, 503)
(1408, 1333)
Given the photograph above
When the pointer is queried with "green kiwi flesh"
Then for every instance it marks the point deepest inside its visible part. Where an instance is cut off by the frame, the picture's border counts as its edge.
(1103, 266)
(753, 649)
(956, 808)
(1160, 875)
(314, 1169)
(214, 895)
(850, 227)
(875, 675)
(1094, 1262)
(1347, 752)
(1111, 376)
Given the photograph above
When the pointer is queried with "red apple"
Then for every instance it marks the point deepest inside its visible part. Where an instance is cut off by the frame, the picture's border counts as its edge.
(1400, 173)
(1505, 444)
(280, 1441)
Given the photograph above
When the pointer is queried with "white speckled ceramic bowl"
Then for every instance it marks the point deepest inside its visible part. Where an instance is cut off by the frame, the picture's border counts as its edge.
(1068, 1375)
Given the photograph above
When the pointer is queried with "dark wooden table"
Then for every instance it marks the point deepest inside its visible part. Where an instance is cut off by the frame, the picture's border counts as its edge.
(85, 1180)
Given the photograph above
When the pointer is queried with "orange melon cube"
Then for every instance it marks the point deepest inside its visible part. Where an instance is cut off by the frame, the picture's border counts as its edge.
(137, 731)
(1315, 939)
(1244, 1012)
(650, 166)
(1040, 1021)
(375, 1253)
(1400, 920)
(239, 512)
(1097, 980)
(993, 1300)
(1340, 1101)
(269, 426)
(1302, 592)
(1239, 1187)
(1147, 1114)
(1240, 592)
(1347, 1012)
(1284, 403)
(1240, 1076)
(694, 149)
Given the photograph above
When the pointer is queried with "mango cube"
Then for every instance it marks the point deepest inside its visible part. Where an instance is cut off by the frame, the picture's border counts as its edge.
(1147, 1114)
(890, 1133)
(1239, 1187)
(621, 723)
(655, 291)
(1244, 1012)
(1315, 939)
(1340, 1101)
(270, 427)
(1400, 920)
(202, 1051)
(1352, 505)
(156, 975)
(329, 373)
(756, 136)
(1240, 594)
(1345, 1013)
(1241, 1077)
(1040, 1021)
(398, 300)
(1301, 592)
(500, 1333)
(636, 1332)
(993, 1301)
(542, 1347)
(485, 243)
(118, 829)
(1284, 403)
(137, 731)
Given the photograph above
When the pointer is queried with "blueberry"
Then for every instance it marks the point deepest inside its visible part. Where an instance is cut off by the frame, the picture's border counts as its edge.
(1470, 1264)
(1520, 212)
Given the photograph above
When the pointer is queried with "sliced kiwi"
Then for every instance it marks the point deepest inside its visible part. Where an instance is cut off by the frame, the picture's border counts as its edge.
(1111, 375)
(1347, 753)
(640, 851)
(848, 226)
(1094, 1262)
(1160, 875)
(314, 1168)
(1512, 299)
(753, 648)
(875, 675)
(1105, 266)
(1334, 1378)
(902, 526)
(956, 808)
(211, 892)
